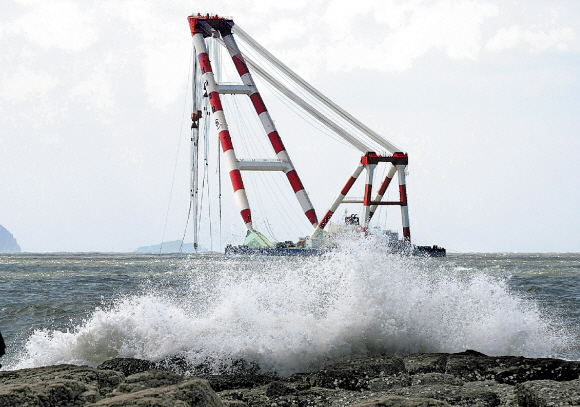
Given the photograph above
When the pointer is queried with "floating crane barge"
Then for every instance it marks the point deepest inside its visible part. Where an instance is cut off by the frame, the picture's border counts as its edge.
(375, 149)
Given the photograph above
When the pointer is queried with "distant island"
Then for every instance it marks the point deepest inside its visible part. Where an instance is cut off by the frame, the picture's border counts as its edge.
(170, 247)
(8, 243)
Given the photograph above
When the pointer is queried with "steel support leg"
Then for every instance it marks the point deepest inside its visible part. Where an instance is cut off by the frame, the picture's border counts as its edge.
(230, 159)
(404, 208)
(270, 128)
(367, 198)
(337, 201)
(383, 189)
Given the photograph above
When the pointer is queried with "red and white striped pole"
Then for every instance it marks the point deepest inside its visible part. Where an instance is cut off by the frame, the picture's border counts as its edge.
(337, 201)
(404, 208)
(383, 189)
(367, 198)
(230, 159)
(269, 127)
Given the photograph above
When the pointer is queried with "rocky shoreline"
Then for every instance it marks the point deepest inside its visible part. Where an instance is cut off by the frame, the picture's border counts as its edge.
(460, 379)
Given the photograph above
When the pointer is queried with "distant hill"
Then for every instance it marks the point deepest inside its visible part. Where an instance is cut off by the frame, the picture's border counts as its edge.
(170, 247)
(7, 242)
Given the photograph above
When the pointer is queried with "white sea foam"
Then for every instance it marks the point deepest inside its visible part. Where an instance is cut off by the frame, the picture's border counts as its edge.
(291, 315)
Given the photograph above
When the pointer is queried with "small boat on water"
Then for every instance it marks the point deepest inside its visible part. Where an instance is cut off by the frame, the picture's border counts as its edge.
(208, 91)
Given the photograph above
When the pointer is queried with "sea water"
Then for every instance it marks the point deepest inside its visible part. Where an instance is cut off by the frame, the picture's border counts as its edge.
(285, 314)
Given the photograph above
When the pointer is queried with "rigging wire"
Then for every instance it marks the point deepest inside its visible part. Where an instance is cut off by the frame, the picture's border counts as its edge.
(368, 134)
(264, 179)
(176, 155)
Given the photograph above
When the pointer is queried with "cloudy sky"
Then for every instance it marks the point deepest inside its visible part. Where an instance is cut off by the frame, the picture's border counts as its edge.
(483, 95)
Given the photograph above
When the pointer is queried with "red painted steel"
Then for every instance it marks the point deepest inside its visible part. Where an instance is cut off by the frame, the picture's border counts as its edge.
(246, 215)
(326, 219)
(236, 178)
(348, 186)
(258, 103)
(403, 194)
(240, 64)
(294, 180)
(276, 142)
(311, 215)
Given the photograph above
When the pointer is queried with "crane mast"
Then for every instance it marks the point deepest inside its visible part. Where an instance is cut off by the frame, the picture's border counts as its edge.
(374, 148)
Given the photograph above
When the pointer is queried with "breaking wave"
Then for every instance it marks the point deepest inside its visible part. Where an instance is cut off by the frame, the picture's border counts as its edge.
(292, 315)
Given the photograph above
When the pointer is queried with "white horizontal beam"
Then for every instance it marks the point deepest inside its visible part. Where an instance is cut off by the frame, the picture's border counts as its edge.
(263, 165)
(235, 89)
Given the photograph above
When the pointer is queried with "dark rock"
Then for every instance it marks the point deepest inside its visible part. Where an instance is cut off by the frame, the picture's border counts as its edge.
(455, 395)
(541, 393)
(230, 382)
(2, 347)
(182, 365)
(56, 385)
(190, 392)
(314, 396)
(67, 385)
(397, 401)
(278, 389)
(8, 243)
(148, 380)
(356, 374)
(128, 366)
(462, 379)
(389, 382)
(435, 378)
(426, 363)
(509, 369)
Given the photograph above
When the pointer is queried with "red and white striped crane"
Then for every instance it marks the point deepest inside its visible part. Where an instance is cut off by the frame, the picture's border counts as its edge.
(374, 148)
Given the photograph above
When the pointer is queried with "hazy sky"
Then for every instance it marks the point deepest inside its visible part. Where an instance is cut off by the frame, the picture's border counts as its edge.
(483, 95)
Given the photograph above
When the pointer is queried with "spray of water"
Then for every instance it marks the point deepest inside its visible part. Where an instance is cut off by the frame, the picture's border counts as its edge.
(292, 315)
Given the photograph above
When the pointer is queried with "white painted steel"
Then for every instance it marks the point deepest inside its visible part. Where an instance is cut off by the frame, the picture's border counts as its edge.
(337, 201)
(303, 198)
(267, 123)
(241, 199)
(220, 120)
(230, 160)
(263, 165)
(404, 208)
(235, 89)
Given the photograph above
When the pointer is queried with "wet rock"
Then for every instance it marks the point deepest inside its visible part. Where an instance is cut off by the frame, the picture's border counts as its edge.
(469, 366)
(426, 363)
(67, 385)
(397, 401)
(541, 393)
(435, 378)
(278, 389)
(128, 366)
(356, 374)
(389, 382)
(454, 395)
(190, 392)
(56, 385)
(2, 346)
(313, 396)
(230, 382)
(462, 379)
(148, 380)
